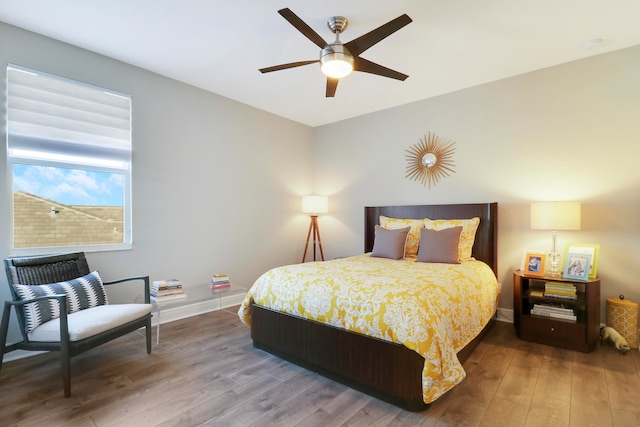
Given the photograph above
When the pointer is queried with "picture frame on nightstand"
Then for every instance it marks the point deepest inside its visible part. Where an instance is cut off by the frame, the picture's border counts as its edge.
(585, 248)
(533, 265)
(576, 266)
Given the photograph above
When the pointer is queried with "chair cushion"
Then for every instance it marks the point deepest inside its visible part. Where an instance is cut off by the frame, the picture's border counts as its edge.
(82, 293)
(92, 321)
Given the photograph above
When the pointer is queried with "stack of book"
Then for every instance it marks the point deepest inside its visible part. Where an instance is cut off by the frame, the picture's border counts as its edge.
(167, 290)
(555, 311)
(560, 290)
(220, 282)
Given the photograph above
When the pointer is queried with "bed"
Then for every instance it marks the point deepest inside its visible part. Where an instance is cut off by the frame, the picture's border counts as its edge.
(355, 356)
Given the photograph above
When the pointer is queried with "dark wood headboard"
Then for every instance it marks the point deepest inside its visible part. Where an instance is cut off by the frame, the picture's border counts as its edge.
(485, 247)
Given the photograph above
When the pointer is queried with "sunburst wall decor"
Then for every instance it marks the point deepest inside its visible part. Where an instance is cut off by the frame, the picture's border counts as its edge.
(430, 159)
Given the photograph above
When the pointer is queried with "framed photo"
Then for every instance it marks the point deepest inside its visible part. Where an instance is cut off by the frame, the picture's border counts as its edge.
(524, 260)
(576, 266)
(585, 248)
(534, 264)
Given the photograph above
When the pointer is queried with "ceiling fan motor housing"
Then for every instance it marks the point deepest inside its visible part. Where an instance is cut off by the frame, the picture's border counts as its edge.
(337, 24)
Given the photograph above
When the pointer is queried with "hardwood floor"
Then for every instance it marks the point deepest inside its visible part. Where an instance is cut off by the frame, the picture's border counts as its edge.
(205, 371)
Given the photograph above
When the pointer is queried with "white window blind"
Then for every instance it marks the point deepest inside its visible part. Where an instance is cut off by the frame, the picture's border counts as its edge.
(50, 118)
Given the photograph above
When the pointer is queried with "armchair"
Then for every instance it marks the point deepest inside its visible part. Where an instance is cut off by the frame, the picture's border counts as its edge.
(70, 313)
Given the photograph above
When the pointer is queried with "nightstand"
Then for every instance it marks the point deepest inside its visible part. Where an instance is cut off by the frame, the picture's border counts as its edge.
(581, 334)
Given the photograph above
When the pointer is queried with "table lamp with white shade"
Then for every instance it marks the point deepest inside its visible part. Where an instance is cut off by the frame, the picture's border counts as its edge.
(555, 216)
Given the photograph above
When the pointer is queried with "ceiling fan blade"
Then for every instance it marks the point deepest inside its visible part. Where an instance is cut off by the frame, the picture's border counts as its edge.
(365, 41)
(332, 84)
(302, 27)
(285, 66)
(361, 64)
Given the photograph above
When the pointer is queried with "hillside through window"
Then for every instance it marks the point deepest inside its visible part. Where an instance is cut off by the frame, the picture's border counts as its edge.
(69, 148)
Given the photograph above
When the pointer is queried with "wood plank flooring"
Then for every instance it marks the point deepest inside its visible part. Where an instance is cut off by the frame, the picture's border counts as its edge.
(205, 371)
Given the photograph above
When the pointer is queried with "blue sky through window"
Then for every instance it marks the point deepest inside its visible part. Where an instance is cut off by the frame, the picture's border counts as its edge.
(70, 186)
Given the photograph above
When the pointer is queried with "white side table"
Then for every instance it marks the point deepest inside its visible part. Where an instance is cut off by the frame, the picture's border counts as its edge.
(202, 294)
(158, 305)
(222, 294)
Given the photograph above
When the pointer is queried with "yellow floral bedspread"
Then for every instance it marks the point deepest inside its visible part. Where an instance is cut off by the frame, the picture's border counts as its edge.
(434, 309)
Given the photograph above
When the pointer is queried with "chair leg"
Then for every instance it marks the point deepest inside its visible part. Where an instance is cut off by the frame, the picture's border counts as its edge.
(4, 327)
(148, 335)
(66, 374)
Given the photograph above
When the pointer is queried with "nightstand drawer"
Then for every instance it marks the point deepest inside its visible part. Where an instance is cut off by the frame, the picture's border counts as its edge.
(575, 332)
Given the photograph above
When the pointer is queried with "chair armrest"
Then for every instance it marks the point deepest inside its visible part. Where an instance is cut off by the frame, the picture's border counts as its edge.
(64, 324)
(145, 279)
(28, 301)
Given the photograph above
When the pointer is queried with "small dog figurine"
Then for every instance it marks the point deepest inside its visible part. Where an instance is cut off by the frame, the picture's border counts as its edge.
(612, 337)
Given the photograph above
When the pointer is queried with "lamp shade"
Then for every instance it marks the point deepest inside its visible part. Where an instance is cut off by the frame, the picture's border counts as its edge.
(555, 216)
(336, 61)
(315, 204)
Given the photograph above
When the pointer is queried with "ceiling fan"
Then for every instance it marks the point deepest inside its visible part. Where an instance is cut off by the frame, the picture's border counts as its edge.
(337, 60)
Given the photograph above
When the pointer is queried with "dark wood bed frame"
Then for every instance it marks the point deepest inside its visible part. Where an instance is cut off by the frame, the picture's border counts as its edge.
(380, 368)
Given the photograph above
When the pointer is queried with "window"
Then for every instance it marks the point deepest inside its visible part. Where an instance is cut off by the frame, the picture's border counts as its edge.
(69, 148)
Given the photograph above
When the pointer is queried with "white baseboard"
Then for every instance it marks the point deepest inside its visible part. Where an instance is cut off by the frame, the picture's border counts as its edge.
(504, 315)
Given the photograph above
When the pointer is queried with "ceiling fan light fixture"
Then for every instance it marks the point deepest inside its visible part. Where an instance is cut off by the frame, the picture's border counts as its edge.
(336, 61)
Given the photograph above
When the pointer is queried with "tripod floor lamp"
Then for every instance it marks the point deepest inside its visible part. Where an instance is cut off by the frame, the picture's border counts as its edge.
(314, 205)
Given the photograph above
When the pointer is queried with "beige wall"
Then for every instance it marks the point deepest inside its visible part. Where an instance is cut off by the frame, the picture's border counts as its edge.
(216, 183)
(570, 132)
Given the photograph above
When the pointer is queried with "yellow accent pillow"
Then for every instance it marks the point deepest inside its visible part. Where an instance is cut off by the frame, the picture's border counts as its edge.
(413, 240)
(467, 237)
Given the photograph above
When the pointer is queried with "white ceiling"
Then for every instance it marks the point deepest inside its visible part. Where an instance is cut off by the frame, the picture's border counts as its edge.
(220, 45)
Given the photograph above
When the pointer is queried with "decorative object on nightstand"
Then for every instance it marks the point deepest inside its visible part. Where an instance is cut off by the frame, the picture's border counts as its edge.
(557, 311)
(314, 205)
(555, 216)
(430, 159)
(576, 266)
(585, 248)
(533, 264)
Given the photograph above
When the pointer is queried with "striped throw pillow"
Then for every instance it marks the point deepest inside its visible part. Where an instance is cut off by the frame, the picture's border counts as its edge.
(83, 292)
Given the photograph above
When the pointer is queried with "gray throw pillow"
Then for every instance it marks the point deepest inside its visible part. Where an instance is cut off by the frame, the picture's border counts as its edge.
(389, 243)
(440, 246)
(83, 292)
